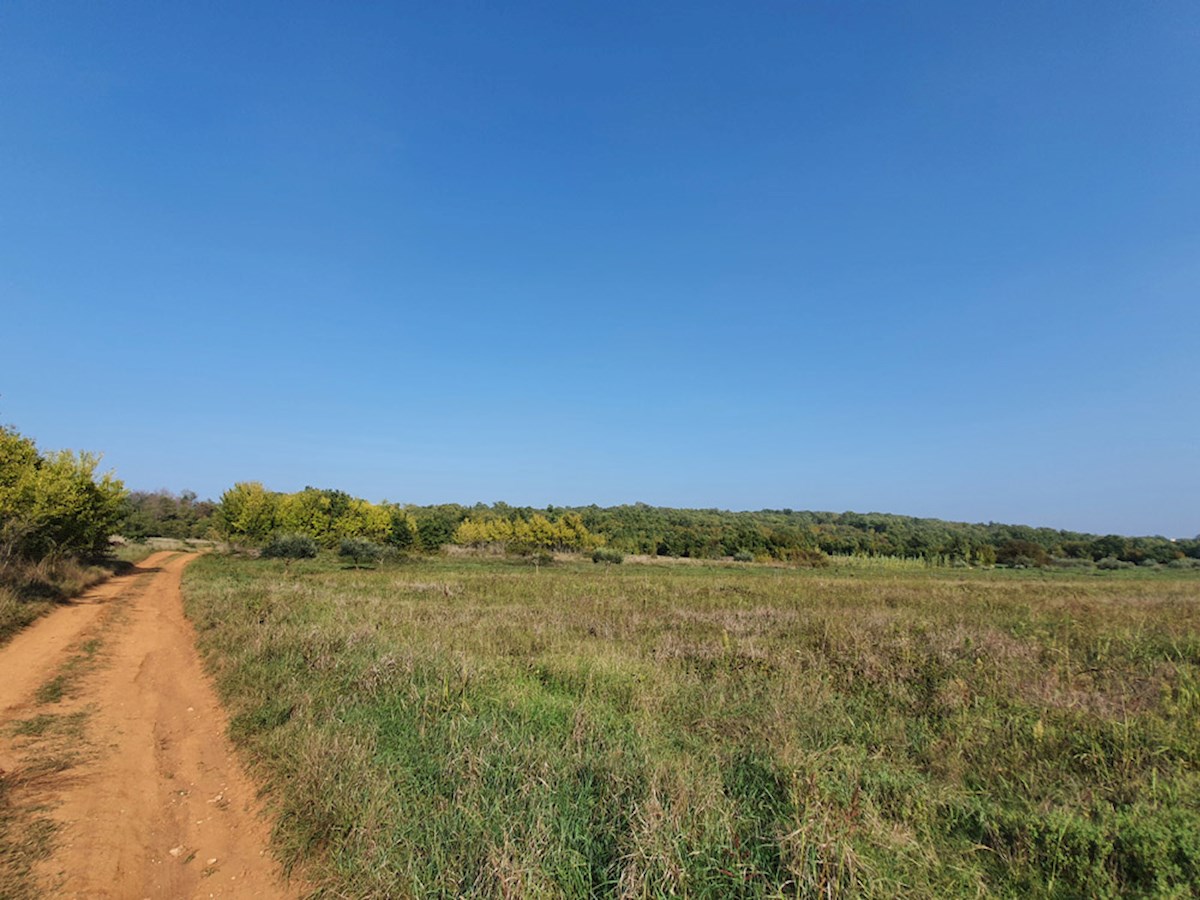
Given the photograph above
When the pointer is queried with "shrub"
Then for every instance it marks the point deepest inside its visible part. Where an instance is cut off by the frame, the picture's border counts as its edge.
(291, 546)
(804, 556)
(361, 551)
(1023, 554)
(541, 558)
(54, 503)
(1111, 562)
(607, 555)
(743, 556)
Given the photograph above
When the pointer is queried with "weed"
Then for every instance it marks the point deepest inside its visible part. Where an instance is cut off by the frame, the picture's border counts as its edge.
(52, 691)
(66, 682)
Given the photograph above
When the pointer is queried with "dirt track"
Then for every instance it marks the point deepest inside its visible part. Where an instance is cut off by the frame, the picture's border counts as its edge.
(158, 806)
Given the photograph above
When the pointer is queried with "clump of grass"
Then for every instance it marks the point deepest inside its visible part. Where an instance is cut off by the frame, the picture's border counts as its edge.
(25, 838)
(65, 682)
(52, 691)
(48, 744)
(53, 578)
(715, 731)
(16, 612)
(43, 725)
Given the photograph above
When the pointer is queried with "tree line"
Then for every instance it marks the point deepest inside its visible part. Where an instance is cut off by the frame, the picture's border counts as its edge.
(779, 533)
(56, 504)
(249, 513)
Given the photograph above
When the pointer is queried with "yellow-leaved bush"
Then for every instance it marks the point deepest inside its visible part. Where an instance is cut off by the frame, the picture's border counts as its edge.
(537, 532)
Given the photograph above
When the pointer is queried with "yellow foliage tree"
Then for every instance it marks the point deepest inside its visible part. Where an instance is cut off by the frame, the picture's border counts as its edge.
(248, 511)
(306, 512)
(536, 533)
(364, 520)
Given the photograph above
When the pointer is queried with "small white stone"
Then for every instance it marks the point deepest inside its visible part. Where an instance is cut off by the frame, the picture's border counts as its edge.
(213, 861)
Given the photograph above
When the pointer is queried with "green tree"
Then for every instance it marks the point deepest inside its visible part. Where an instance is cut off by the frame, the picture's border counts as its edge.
(54, 503)
(247, 512)
(307, 512)
(360, 550)
(403, 533)
(364, 520)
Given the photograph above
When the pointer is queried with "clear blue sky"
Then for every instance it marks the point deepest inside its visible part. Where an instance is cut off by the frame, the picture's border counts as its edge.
(937, 259)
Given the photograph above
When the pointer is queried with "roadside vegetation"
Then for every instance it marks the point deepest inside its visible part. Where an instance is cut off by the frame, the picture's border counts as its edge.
(471, 726)
(56, 515)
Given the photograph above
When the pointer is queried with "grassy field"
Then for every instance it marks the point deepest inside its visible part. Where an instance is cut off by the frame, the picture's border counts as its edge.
(457, 727)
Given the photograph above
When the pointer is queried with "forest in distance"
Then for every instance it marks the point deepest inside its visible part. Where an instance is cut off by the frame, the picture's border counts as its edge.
(249, 513)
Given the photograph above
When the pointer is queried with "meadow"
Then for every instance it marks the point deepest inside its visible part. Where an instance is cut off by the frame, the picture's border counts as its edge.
(480, 727)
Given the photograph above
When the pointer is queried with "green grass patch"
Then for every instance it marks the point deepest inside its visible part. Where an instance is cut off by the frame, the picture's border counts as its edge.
(468, 727)
(45, 725)
(66, 682)
(52, 691)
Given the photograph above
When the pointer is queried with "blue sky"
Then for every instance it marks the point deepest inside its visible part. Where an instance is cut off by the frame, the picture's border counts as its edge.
(938, 259)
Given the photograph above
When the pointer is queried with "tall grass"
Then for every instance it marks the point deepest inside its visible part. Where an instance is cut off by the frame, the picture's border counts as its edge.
(31, 588)
(470, 727)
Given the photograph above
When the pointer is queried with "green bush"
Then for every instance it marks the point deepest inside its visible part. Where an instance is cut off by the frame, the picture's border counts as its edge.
(291, 546)
(537, 558)
(360, 550)
(1019, 553)
(804, 556)
(607, 555)
(743, 556)
(54, 503)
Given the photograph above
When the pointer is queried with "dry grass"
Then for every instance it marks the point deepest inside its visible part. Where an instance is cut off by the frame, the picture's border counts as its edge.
(29, 590)
(473, 727)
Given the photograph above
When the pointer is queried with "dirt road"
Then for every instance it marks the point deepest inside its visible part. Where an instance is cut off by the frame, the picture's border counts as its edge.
(152, 802)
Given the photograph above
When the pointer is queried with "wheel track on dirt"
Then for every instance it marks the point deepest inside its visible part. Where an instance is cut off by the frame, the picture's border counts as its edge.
(157, 805)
